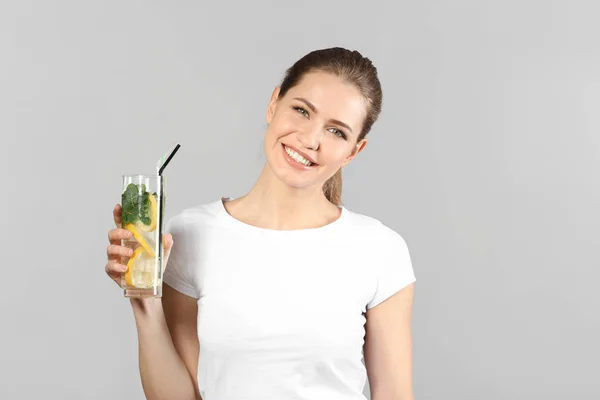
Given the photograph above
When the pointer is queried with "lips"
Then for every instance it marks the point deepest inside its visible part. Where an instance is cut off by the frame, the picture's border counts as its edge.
(293, 163)
(306, 156)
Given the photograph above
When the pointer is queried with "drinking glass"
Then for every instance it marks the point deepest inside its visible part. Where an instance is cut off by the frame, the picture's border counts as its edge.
(142, 206)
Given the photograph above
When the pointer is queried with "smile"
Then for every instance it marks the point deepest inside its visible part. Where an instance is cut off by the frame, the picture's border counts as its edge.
(294, 158)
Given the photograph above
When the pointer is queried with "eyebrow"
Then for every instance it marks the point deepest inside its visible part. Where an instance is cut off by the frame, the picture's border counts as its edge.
(314, 109)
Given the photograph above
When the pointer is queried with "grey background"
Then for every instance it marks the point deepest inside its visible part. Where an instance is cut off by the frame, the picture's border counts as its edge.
(486, 159)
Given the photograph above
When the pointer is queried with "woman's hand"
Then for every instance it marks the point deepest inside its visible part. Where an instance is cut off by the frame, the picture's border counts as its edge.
(115, 251)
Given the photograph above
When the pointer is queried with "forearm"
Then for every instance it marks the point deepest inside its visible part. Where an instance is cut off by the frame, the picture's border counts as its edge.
(163, 373)
(383, 395)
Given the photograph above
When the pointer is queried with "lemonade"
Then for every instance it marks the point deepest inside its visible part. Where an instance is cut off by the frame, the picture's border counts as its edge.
(142, 208)
(140, 214)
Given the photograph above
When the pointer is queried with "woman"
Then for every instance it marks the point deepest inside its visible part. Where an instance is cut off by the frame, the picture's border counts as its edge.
(275, 295)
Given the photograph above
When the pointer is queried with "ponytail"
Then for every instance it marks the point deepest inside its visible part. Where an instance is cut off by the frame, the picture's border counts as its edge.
(333, 188)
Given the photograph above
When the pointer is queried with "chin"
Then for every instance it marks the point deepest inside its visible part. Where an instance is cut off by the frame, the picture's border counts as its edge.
(293, 180)
(289, 177)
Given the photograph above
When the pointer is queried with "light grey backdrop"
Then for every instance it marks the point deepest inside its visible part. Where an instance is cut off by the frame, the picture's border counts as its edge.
(485, 159)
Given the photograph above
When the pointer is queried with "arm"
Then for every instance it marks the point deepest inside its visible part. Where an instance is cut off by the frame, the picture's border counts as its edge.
(168, 345)
(181, 313)
(388, 347)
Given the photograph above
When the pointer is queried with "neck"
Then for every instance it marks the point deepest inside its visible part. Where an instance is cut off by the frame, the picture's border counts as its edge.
(272, 204)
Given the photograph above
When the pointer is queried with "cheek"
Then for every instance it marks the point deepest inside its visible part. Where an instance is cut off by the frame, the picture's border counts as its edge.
(278, 128)
(275, 130)
(286, 122)
(334, 153)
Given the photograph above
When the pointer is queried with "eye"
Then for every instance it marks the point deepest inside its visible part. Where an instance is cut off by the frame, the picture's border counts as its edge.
(338, 133)
(301, 111)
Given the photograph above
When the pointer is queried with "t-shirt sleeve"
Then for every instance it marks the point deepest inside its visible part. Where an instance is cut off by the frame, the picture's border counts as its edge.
(394, 268)
(178, 272)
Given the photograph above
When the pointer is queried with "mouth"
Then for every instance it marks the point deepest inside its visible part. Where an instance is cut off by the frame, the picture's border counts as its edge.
(300, 161)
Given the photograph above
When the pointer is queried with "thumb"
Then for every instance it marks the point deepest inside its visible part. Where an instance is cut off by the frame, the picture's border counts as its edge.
(168, 242)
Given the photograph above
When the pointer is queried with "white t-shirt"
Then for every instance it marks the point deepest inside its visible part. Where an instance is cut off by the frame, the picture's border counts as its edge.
(281, 313)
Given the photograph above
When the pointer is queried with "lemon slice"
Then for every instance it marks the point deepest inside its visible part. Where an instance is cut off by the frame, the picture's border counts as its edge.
(152, 214)
(138, 236)
(130, 263)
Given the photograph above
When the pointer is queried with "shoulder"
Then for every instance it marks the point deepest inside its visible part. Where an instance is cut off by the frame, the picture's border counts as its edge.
(199, 216)
(388, 258)
(373, 230)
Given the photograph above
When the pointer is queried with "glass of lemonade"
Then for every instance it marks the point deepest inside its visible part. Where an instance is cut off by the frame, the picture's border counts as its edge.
(142, 205)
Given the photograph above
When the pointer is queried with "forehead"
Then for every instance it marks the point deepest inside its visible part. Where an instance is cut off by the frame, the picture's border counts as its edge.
(333, 97)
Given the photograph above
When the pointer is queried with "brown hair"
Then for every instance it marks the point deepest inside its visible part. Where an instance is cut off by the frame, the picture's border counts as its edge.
(352, 67)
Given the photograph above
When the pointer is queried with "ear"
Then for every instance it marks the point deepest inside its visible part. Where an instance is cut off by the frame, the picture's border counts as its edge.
(357, 149)
(272, 105)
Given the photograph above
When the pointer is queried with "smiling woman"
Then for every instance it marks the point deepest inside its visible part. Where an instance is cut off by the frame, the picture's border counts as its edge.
(280, 293)
(344, 84)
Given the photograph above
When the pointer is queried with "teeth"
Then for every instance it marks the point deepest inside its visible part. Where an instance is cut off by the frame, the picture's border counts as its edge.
(297, 157)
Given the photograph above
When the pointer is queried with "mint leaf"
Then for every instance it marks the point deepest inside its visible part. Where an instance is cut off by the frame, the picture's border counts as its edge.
(130, 196)
(145, 208)
(136, 205)
(130, 206)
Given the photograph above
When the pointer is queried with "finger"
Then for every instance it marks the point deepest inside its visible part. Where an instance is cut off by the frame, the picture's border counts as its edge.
(168, 242)
(114, 269)
(116, 235)
(115, 251)
(117, 215)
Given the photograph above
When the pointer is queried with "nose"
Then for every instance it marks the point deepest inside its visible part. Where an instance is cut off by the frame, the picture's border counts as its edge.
(310, 138)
